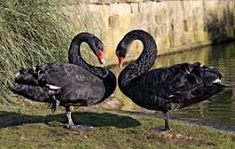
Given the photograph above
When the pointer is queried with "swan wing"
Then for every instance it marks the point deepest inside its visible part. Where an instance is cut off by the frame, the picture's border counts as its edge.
(62, 74)
(71, 82)
(76, 83)
(182, 84)
(83, 94)
(185, 80)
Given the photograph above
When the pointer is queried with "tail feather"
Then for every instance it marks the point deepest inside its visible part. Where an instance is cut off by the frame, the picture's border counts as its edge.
(209, 75)
(35, 93)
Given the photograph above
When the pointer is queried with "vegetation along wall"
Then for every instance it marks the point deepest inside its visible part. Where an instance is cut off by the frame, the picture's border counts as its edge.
(175, 24)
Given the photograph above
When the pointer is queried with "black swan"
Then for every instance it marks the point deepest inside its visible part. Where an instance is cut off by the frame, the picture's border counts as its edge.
(166, 88)
(78, 83)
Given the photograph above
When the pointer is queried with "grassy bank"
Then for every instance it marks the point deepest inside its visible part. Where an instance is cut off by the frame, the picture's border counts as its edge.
(28, 126)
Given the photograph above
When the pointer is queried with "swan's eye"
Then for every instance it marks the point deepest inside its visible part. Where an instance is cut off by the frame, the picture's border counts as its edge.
(97, 45)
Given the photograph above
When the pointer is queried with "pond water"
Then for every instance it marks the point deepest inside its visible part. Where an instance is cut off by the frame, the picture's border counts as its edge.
(218, 111)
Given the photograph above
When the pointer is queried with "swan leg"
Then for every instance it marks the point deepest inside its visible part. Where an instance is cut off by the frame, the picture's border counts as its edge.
(54, 104)
(166, 127)
(166, 119)
(71, 124)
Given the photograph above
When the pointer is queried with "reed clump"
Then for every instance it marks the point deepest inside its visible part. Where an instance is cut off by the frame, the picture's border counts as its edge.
(31, 32)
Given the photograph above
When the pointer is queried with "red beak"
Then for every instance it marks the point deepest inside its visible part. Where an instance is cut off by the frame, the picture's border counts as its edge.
(120, 61)
(101, 57)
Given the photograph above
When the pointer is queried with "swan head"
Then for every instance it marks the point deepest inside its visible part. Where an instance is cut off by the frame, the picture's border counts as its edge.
(97, 47)
(121, 54)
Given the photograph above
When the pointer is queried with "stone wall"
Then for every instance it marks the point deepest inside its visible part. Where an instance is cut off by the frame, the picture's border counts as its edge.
(175, 24)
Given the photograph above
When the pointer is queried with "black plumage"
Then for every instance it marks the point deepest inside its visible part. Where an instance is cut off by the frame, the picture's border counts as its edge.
(166, 88)
(75, 83)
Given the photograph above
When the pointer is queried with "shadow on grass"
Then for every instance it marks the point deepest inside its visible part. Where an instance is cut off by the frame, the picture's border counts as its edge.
(11, 119)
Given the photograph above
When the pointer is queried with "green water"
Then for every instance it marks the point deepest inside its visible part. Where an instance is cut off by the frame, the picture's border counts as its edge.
(218, 111)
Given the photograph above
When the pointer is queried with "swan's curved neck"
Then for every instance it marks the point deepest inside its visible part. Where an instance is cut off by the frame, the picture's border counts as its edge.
(144, 62)
(75, 57)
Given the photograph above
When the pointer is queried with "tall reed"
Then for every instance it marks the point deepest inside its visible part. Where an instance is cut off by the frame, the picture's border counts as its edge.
(31, 32)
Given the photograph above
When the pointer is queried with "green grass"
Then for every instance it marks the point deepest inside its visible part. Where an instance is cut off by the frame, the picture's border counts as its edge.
(34, 126)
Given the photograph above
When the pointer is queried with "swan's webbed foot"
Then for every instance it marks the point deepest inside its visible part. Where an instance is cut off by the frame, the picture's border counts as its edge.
(161, 129)
(78, 127)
